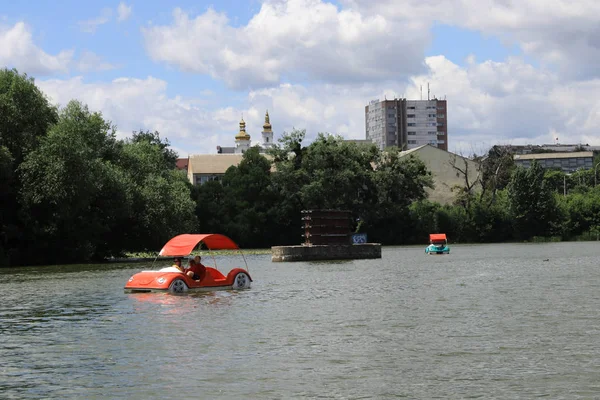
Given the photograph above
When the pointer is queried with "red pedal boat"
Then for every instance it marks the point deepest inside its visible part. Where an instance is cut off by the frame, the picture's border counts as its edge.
(172, 279)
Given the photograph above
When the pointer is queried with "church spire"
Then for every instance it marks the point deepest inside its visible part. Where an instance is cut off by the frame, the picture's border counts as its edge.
(267, 133)
(242, 135)
(267, 125)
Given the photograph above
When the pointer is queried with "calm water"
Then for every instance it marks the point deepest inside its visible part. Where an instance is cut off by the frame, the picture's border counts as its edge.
(490, 321)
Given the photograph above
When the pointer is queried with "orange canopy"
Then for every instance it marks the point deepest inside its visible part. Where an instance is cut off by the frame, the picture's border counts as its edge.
(437, 237)
(182, 245)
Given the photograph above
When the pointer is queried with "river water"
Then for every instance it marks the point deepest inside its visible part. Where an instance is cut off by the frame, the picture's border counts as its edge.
(489, 321)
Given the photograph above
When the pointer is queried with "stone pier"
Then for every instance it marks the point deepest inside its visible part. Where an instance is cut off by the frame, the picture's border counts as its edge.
(325, 252)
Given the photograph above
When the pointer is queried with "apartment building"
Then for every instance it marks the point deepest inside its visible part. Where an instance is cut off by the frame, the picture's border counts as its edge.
(407, 124)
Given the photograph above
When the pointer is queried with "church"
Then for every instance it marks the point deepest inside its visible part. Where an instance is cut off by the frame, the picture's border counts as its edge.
(202, 168)
(242, 139)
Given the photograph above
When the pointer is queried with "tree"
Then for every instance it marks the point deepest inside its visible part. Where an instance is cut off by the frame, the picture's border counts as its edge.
(339, 174)
(496, 170)
(162, 204)
(398, 182)
(471, 175)
(532, 204)
(250, 197)
(287, 182)
(169, 156)
(74, 200)
(25, 116)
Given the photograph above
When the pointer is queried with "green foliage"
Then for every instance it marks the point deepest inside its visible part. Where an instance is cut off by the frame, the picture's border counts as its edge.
(531, 203)
(64, 182)
(496, 170)
(250, 198)
(147, 139)
(84, 195)
(25, 114)
(583, 212)
(163, 209)
(398, 182)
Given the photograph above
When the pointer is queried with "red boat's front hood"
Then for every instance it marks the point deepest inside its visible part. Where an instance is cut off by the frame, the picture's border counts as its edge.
(153, 279)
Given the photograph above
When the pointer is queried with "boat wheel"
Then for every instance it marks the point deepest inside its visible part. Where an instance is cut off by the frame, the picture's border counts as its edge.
(241, 281)
(178, 286)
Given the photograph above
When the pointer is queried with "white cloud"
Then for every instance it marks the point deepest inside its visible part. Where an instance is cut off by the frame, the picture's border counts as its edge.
(89, 61)
(91, 25)
(134, 104)
(295, 39)
(123, 11)
(512, 102)
(315, 66)
(560, 33)
(18, 50)
(489, 103)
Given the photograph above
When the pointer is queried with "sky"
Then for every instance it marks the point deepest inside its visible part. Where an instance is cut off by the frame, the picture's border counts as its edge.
(512, 71)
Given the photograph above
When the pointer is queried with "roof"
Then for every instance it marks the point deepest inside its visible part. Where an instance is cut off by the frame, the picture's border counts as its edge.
(182, 163)
(213, 163)
(543, 156)
(407, 152)
(216, 163)
(437, 236)
(182, 245)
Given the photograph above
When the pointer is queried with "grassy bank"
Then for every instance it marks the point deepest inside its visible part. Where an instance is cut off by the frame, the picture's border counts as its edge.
(151, 255)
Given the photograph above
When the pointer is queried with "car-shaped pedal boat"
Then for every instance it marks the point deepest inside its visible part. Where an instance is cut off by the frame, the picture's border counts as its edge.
(438, 244)
(174, 280)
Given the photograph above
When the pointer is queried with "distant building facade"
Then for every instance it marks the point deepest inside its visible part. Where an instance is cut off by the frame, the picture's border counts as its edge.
(547, 148)
(407, 123)
(203, 168)
(444, 166)
(566, 162)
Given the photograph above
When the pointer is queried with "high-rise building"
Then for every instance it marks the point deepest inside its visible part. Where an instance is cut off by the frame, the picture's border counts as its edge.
(407, 123)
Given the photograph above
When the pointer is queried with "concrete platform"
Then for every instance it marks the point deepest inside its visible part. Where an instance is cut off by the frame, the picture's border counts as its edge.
(325, 252)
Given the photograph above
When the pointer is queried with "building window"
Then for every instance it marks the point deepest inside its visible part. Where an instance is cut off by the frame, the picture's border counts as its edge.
(410, 115)
(440, 124)
(441, 116)
(410, 108)
(202, 179)
(432, 133)
(412, 133)
(441, 133)
(412, 124)
(431, 115)
(412, 142)
(390, 115)
(441, 108)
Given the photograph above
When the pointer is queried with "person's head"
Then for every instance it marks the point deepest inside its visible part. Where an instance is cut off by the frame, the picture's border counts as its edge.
(197, 259)
(177, 261)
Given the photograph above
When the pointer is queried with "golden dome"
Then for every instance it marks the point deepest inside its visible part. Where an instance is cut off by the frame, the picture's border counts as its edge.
(242, 135)
(267, 125)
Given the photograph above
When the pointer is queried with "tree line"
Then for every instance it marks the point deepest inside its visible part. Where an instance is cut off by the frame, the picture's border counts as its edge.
(72, 192)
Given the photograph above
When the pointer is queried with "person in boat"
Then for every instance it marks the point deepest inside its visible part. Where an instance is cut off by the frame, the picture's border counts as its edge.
(196, 270)
(177, 264)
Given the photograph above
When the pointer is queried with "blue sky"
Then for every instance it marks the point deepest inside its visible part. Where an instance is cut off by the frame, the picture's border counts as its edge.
(190, 69)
